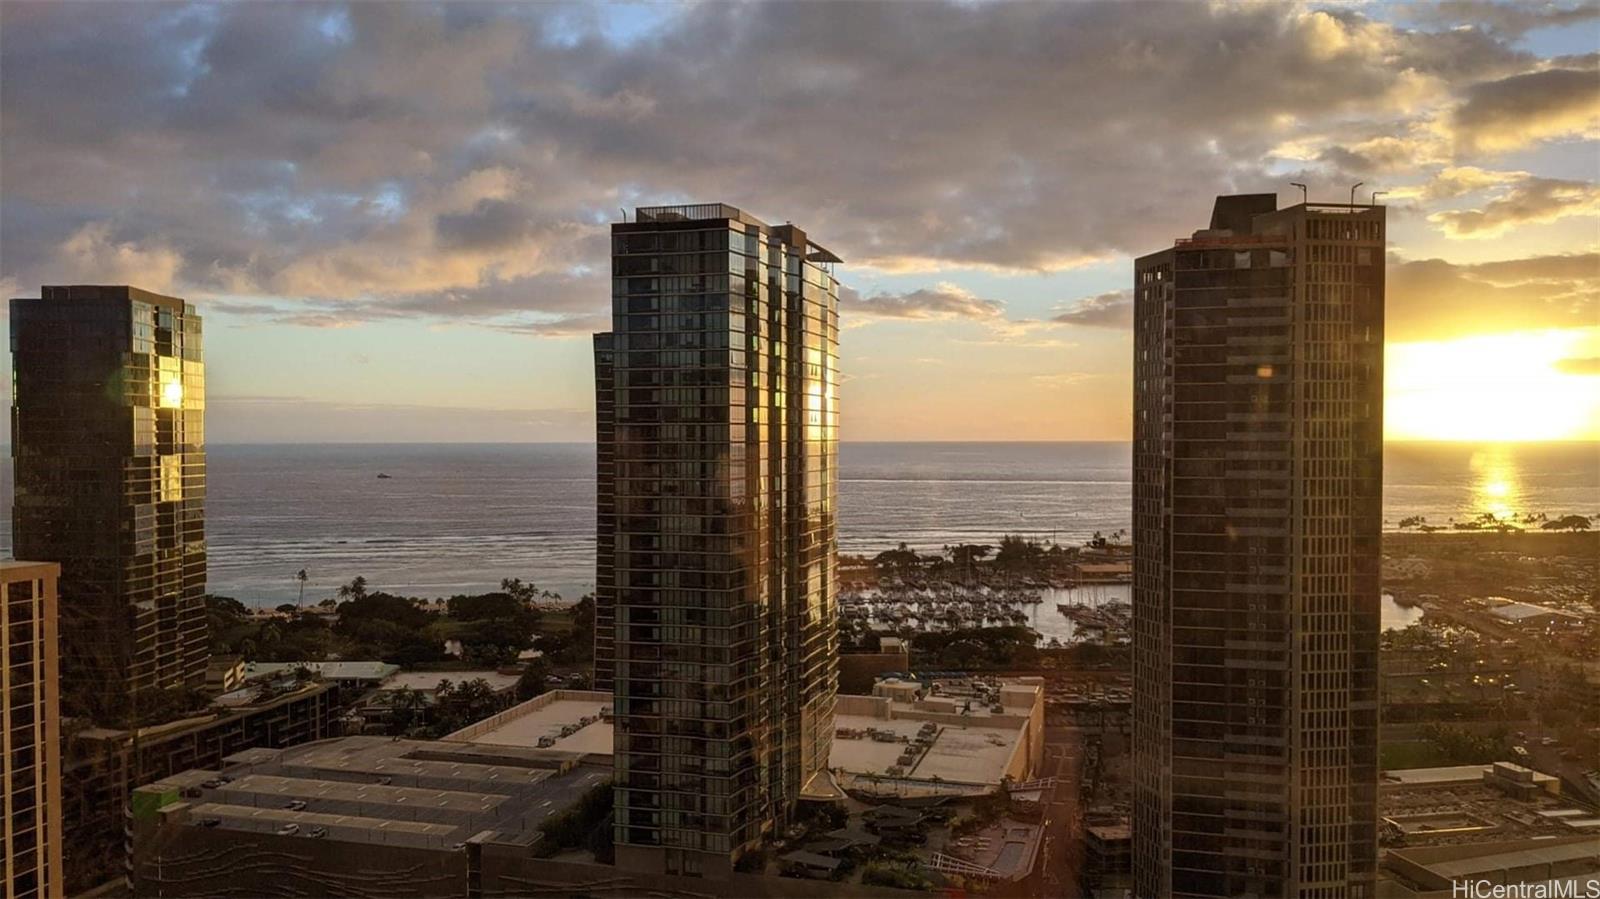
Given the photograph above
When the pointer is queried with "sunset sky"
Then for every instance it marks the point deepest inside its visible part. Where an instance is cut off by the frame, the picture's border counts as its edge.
(394, 216)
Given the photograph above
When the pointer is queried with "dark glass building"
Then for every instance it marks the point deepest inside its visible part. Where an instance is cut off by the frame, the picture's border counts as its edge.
(715, 594)
(1258, 474)
(108, 450)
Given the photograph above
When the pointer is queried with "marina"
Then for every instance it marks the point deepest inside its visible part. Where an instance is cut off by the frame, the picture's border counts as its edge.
(1096, 614)
(1060, 616)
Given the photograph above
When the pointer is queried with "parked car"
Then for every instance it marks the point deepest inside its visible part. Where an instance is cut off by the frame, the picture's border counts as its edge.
(288, 830)
(317, 833)
(209, 822)
(296, 805)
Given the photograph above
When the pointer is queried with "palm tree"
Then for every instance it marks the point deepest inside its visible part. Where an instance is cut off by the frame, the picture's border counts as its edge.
(407, 702)
(356, 589)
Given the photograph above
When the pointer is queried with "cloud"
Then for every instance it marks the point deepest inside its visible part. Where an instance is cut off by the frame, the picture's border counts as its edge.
(943, 302)
(290, 419)
(491, 224)
(1456, 181)
(1589, 365)
(1523, 109)
(561, 326)
(1510, 20)
(91, 255)
(1066, 379)
(1113, 309)
(1431, 299)
(1528, 201)
(1385, 153)
(415, 157)
(560, 304)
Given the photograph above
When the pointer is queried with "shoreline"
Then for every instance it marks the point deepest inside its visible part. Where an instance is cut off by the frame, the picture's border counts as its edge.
(1393, 542)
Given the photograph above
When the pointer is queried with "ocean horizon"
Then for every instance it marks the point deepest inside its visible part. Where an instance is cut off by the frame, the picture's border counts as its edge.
(457, 516)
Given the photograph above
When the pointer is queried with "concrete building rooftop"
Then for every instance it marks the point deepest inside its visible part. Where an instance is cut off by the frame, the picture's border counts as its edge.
(1442, 775)
(1516, 866)
(1473, 804)
(944, 736)
(1522, 611)
(974, 755)
(427, 794)
(428, 681)
(355, 670)
(584, 714)
(1492, 860)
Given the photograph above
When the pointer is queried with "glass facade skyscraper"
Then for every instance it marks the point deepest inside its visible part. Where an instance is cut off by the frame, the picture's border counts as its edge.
(1258, 474)
(715, 594)
(108, 448)
(30, 734)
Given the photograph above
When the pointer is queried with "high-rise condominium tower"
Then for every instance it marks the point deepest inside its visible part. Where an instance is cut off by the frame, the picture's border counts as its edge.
(716, 582)
(1258, 471)
(109, 455)
(30, 734)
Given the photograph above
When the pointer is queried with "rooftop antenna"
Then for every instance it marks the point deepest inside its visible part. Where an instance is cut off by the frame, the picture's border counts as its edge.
(1376, 194)
(1304, 194)
(1353, 191)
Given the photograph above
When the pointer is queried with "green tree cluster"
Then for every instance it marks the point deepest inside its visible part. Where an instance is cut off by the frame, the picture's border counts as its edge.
(970, 649)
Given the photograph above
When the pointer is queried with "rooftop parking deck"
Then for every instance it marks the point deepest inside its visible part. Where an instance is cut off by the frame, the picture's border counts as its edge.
(382, 790)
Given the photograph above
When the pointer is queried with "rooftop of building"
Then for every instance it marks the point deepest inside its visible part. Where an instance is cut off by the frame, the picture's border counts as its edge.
(352, 670)
(428, 681)
(426, 794)
(698, 212)
(944, 735)
(17, 570)
(112, 293)
(1462, 774)
(1520, 611)
(1467, 804)
(1430, 868)
(241, 703)
(975, 755)
(576, 721)
(1244, 220)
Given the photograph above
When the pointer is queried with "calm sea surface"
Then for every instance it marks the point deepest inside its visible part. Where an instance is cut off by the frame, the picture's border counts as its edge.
(455, 517)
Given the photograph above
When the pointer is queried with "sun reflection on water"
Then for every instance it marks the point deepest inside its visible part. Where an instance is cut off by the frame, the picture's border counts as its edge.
(1497, 484)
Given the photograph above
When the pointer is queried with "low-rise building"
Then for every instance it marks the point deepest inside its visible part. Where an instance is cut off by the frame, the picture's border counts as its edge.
(102, 766)
(1567, 866)
(960, 736)
(1473, 804)
(401, 819)
(1535, 617)
(355, 674)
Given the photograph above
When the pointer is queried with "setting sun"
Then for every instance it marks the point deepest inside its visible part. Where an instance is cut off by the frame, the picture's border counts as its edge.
(1500, 387)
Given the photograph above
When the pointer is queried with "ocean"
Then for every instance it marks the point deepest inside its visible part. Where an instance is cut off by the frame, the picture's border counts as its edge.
(459, 517)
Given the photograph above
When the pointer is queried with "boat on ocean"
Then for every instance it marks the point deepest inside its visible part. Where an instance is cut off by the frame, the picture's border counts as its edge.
(382, 476)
